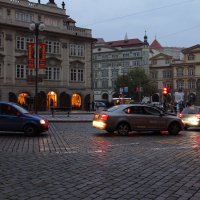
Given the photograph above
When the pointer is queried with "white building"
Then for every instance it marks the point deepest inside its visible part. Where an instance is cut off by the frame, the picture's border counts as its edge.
(114, 58)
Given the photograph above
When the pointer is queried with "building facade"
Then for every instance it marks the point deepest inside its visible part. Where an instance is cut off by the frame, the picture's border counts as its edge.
(66, 78)
(182, 73)
(114, 58)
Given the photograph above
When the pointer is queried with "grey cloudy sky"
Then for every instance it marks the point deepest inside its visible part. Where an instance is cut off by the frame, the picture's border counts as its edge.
(172, 22)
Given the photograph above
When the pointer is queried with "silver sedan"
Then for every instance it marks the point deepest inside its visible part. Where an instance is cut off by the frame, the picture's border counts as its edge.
(136, 117)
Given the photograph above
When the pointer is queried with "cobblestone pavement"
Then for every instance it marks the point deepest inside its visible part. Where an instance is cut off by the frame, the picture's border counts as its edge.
(77, 162)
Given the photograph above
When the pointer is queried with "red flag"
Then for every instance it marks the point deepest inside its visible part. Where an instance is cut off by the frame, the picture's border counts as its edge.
(42, 55)
(31, 60)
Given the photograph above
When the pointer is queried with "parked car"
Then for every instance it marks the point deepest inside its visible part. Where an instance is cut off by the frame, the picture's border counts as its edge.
(99, 105)
(14, 118)
(190, 116)
(136, 117)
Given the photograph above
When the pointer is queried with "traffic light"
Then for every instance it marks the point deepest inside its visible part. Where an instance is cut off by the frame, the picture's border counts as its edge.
(165, 90)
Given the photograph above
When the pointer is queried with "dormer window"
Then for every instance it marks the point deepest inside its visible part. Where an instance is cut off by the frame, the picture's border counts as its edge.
(191, 57)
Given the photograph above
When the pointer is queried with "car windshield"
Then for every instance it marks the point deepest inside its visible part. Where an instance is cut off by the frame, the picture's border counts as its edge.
(114, 108)
(191, 110)
(21, 109)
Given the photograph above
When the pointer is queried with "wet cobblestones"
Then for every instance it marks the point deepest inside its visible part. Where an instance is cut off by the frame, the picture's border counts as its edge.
(76, 162)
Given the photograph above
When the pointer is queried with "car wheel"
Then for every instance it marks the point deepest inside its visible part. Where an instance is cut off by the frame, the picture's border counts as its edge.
(123, 129)
(174, 128)
(30, 130)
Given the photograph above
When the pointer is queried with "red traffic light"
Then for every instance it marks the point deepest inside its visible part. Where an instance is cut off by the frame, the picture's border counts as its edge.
(165, 90)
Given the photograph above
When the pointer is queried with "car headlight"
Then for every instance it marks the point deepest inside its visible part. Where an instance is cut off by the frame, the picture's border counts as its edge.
(42, 121)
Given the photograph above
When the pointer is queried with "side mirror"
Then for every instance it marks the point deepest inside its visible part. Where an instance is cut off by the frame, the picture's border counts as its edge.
(162, 113)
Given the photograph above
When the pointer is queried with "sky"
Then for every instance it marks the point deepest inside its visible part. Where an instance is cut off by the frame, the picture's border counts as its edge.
(174, 23)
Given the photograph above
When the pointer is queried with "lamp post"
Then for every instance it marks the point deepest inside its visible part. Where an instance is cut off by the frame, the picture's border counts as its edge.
(36, 27)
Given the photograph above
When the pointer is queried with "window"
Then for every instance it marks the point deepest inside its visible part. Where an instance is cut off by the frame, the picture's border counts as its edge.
(23, 16)
(136, 54)
(191, 57)
(104, 73)
(167, 74)
(21, 42)
(76, 75)
(179, 72)
(126, 55)
(76, 50)
(51, 21)
(191, 71)
(154, 75)
(22, 71)
(136, 62)
(53, 47)
(167, 61)
(105, 83)
(115, 73)
(53, 73)
(180, 84)
(191, 84)
(154, 62)
(1, 40)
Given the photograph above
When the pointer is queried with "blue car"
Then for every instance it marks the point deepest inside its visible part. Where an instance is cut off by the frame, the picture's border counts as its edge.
(14, 118)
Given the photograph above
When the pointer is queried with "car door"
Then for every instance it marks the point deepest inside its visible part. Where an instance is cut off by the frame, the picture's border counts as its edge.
(152, 118)
(9, 120)
(135, 117)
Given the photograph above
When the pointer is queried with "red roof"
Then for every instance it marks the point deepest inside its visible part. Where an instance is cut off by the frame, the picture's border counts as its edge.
(121, 43)
(155, 45)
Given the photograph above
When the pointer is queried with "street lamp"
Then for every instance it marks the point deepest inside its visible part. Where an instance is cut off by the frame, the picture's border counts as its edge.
(36, 27)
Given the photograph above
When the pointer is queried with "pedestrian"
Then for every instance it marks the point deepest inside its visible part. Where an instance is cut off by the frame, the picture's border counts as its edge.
(92, 105)
(88, 106)
(51, 107)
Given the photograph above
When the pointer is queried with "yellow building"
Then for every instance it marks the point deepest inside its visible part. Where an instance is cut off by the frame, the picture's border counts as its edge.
(184, 73)
(66, 79)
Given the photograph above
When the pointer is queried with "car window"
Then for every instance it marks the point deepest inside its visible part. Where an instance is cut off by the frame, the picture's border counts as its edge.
(114, 108)
(190, 110)
(7, 110)
(150, 111)
(134, 110)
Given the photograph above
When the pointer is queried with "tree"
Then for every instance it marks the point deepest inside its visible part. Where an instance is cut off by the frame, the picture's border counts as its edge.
(138, 83)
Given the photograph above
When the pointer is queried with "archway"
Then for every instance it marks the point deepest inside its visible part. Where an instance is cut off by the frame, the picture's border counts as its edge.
(105, 96)
(87, 102)
(42, 101)
(65, 100)
(12, 97)
(22, 99)
(155, 98)
(51, 99)
(76, 101)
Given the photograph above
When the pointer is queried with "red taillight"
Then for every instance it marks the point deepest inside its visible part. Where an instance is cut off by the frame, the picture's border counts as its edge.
(180, 115)
(198, 115)
(104, 117)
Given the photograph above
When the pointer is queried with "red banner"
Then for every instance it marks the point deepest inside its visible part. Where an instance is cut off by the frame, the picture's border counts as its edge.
(31, 59)
(42, 55)
(31, 55)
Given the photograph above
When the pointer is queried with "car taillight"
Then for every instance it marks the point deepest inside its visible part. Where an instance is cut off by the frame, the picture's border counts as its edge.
(198, 116)
(104, 117)
(180, 115)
